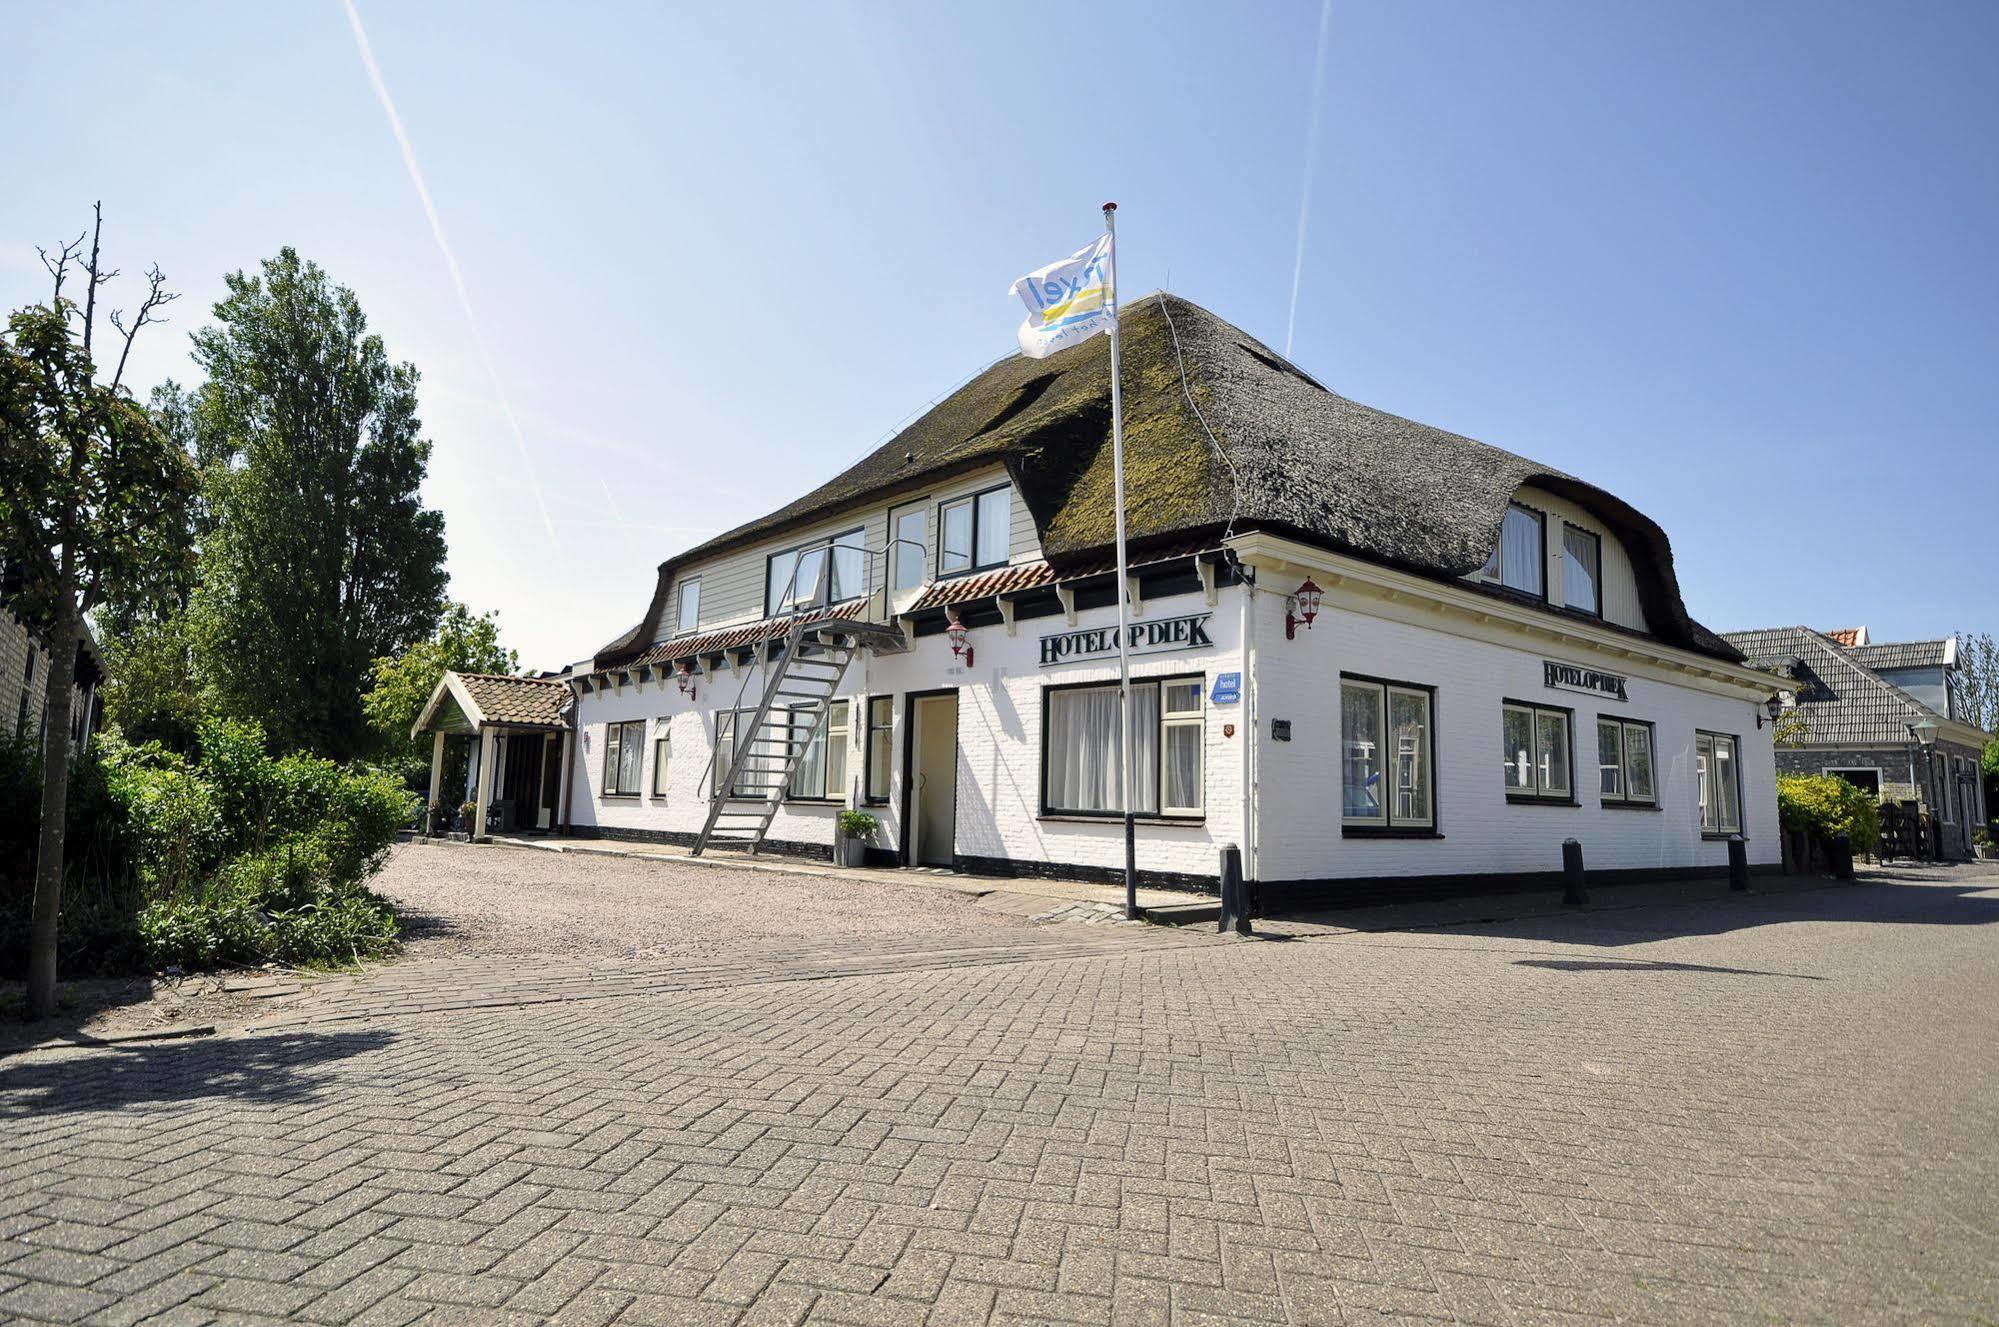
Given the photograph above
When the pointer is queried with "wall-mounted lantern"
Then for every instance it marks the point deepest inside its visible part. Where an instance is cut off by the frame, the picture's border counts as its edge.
(956, 631)
(1302, 607)
(684, 675)
(1774, 707)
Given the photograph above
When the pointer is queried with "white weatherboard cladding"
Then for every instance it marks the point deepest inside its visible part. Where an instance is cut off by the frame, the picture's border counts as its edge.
(999, 740)
(732, 584)
(1298, 782)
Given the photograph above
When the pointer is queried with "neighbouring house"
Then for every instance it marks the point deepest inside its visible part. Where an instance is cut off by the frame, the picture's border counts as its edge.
(1339, 618)
(25, 660)
(1862, 705)
(517, 733)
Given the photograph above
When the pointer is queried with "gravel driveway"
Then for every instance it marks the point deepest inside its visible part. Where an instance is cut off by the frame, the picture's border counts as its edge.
(463, 901)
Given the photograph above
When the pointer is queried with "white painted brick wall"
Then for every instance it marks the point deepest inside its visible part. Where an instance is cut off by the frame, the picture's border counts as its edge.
(1298, 781)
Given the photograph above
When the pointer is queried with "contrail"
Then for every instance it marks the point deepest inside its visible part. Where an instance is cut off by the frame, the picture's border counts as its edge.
(450, 261)
(1311, 160)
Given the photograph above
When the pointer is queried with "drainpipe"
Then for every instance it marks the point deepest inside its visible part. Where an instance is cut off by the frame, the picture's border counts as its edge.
(1247, 583)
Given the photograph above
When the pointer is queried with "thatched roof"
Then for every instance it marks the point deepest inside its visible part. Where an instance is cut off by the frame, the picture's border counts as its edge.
(1307, 462)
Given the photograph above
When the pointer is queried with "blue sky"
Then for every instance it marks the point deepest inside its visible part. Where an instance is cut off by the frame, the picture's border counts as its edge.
(1734, 263)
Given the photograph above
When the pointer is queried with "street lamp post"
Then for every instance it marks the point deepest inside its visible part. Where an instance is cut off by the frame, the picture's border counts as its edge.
(1924, 733)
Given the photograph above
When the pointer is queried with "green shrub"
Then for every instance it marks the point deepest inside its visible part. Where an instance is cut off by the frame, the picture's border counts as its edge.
(1823, 805)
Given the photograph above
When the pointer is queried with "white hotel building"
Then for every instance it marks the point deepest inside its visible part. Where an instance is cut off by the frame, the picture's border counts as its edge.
(1499, 659)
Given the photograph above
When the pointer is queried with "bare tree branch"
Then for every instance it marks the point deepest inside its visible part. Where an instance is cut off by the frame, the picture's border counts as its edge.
(157, 298)
(58, 266)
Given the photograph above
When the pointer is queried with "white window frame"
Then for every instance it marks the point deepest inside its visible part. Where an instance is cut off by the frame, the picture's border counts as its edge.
(1624, 727)
(681, 605)
(900, 554)
(1159, 765)
(1705, 771)
(1195, 719)
(1541, 791)
(1391, 763)
(1569, 569)
(614, 742)
(1494, 571)
(883, 730)
(831, 734)
(973, 502)
(662, 754)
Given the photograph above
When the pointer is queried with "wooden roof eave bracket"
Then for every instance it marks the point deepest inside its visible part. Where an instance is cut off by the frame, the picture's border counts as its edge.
(1005, 604)
(1204, 567)
(1067, 594)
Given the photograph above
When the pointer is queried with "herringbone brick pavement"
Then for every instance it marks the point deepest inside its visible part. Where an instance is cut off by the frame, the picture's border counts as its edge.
(1749, 1110)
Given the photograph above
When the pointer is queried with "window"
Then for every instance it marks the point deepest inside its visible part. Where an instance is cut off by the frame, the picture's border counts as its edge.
(624, 750)
(1385, 755)
(906, 555)
(792, 579)
(1181, 736)
(881, 727)
(1081, 772)
(821, 773)
(1582, 570)
(688, 615)
(662, 747)
(1718, 769)
(1534, 743)
(976, 532)
(1624, 762)
(1867, 780)
(1521, 558)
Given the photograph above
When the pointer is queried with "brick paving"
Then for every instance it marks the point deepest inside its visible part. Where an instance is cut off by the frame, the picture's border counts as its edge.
(1783, 1107)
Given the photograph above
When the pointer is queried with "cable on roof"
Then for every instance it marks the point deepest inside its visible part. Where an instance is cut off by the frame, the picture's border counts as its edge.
(1235, 476)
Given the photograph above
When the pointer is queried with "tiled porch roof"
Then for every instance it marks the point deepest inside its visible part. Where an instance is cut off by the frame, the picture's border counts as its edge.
(520, 700)
(1033, 575)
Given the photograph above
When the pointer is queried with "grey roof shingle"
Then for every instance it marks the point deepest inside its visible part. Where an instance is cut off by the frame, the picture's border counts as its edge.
(1302, 461)
(1841, 700)
(1902, 654)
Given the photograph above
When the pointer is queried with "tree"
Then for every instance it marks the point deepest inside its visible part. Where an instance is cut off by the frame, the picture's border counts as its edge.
(403, 683)
(88, 483)
(321, 555)
(1977, 680)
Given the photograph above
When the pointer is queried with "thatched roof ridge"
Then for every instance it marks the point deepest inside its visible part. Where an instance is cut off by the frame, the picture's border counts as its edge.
(1306, 462)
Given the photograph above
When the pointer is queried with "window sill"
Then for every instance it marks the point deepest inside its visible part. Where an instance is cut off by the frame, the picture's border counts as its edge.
(874, 801)
(1386, 832)
(812, 801)
(1629, 806)
(1516, 799)
(1115, 818)
(617, 797)
(963, 572)
(1722, 835)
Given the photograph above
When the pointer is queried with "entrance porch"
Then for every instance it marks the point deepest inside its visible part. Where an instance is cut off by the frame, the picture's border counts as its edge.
(515, 734)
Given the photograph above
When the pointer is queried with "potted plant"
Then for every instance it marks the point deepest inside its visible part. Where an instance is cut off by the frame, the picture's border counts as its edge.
(467, 814)
(440, 820)
(856, 829)
(1984, 844)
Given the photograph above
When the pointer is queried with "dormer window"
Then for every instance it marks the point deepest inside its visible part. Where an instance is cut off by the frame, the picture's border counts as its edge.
(687, 614)
(975, 533)
(1582, 570)
(1521, 559)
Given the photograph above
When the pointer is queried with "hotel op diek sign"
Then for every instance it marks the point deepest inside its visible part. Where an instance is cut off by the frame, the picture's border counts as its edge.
(1573, 677)
(1160, 637)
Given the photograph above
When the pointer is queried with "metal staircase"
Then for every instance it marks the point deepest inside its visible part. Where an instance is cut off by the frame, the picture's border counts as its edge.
(799, 680)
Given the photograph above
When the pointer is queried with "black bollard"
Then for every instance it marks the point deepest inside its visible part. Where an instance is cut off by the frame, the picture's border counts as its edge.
(1572, 873)
(1841, 855)
(1738, 864)
(1235, 904)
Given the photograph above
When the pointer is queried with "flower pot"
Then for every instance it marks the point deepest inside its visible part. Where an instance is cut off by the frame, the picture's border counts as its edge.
(849, 851)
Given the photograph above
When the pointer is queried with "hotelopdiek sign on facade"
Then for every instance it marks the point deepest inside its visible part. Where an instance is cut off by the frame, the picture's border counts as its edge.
(1160, 637)
(1573, 677)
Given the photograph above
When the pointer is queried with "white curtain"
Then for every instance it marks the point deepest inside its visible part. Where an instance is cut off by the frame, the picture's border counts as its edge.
(1083, 773)
(1520, 544)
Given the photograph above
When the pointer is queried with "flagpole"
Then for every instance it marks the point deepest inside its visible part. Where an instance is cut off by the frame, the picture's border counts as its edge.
(1123, 587)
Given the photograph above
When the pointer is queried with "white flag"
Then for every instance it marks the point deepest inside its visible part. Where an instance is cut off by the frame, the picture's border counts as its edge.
(1067, 301)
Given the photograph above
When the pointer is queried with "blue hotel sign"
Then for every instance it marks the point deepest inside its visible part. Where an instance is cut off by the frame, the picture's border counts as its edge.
(1228, 689)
